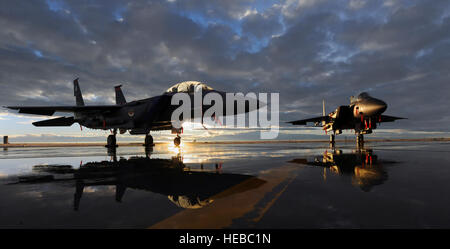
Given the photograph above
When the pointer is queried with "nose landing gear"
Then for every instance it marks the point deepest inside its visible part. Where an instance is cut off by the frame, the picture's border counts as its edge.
(177, 140)
(360, 140)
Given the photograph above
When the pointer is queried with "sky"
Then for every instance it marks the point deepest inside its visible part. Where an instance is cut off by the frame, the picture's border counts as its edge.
(305, 50)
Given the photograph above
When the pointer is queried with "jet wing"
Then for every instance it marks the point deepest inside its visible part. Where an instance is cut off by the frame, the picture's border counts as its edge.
(50, 110)
(310, 120)
(386, 118)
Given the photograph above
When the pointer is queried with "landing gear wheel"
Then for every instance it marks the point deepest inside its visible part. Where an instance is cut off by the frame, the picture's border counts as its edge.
(360, 140)
(177, 141)
(148, 141)
(111, 141)
(332, 140)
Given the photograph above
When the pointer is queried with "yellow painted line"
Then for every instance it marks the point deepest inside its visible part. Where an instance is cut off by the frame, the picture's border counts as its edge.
(229, 204)
(271, 202)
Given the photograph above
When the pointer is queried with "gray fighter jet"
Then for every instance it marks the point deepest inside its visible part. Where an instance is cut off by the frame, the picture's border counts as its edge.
(362, 115)
(138, 117)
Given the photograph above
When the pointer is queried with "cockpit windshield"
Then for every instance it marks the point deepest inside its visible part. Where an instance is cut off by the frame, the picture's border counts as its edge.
(360, 97)
(188, 86)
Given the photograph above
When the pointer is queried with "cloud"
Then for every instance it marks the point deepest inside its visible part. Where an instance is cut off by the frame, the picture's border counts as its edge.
(305, 50)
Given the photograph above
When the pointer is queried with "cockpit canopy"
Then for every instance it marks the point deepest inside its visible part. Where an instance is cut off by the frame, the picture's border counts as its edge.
(360, 97)
(363, 95)
(188, 86)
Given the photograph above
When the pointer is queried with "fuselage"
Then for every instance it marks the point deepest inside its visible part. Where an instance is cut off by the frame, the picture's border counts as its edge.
(362, 115)
(155, 113)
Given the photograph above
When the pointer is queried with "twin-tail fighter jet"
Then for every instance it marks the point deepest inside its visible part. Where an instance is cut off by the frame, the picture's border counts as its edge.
(362, 115)
(138, 117)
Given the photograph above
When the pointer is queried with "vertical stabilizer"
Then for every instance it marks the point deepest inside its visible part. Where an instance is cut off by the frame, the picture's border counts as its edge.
(77, 93)
(120, 98)
(323, 111)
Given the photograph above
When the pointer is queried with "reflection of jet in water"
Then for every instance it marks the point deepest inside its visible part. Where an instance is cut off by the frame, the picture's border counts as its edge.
(187, 188)
(363, 166)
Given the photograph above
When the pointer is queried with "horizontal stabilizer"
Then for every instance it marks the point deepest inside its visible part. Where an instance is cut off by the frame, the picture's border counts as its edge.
(63, 121)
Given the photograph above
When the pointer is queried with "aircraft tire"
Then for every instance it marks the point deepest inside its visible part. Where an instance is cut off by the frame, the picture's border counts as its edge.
(360, 140)
(111, 141)
(177, 141)
(148, 141)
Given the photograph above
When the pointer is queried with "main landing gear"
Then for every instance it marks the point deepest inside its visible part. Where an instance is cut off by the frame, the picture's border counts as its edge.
(111, 142)
(332, 140)
(148, 141)
(148, 144)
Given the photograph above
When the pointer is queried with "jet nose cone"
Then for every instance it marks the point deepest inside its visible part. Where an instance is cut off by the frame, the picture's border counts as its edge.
(380, 106)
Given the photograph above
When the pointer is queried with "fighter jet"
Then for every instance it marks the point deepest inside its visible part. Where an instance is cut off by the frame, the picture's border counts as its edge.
(138, 117)
(362, 115)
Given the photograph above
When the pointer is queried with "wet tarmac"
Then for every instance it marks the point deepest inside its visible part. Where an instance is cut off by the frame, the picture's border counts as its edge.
(383, 185)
